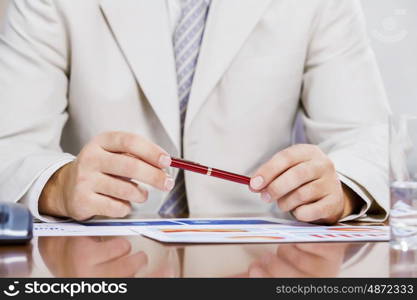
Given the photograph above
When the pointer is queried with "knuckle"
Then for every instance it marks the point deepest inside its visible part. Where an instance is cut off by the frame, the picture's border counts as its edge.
(274, 189)
(130, 167)
(98, 138)
(330, 164)
(285, 156)
(85, 154)
(88, 154)
(261, 170)
(303, 149)
(297, 146)
(302, 195)
(313, 190)
(315, 149)
(311, 172)
(107, 134)
(128, 143)
(157, 178)
(303, 172)
(111, 134)
(102, 138)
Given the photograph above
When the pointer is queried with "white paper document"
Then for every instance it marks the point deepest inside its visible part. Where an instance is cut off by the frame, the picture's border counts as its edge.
(233, 230)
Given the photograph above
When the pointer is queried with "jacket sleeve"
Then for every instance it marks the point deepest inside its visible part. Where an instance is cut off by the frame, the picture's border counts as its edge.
(33, 94)
(345, 106)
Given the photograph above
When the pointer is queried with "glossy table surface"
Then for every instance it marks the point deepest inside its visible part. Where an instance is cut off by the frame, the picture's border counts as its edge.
(137, 256)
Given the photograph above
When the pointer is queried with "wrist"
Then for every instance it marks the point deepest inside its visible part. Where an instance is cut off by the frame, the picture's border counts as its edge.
(352, 202)
(51, 201)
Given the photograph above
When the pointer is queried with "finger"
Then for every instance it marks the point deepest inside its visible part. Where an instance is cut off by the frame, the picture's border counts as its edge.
(309, 192)
(281, 162)
(133, 168)
(123, 142)
(125, 266)
(325, 211)
(292, 179)
(119, 189)
(110, 207)
(110, 249)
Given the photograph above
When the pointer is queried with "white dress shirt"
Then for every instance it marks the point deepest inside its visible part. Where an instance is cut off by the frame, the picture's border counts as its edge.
(31, 198)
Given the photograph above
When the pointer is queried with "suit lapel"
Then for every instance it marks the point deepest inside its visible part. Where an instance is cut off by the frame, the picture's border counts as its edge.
(141, 27)
(229, 24)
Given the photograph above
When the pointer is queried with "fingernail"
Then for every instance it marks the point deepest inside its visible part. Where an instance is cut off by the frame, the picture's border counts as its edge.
(169, 184)
(265, 196)
(164, 161)
(257, 182)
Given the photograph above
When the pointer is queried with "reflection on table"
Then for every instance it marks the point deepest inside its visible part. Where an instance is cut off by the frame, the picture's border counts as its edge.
(142, 257)
(16, 261)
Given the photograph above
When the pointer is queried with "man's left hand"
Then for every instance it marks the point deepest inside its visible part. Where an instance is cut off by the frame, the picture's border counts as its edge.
(303, 180)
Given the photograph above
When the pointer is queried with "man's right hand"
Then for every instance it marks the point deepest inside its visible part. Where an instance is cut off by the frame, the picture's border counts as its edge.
(97, 182)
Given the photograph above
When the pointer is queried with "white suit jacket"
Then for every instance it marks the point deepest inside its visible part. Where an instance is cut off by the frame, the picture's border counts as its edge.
(71, 69)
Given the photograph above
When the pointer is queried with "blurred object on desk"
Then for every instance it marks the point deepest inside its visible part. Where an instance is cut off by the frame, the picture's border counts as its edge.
(403, 181)
(16, 224)
(403, 263)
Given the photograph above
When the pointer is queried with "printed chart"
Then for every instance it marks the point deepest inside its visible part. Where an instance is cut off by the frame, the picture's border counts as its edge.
(267, 234)
(252, 230)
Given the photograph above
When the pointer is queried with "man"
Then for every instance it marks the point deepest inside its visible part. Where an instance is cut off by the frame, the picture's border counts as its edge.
(96, 96)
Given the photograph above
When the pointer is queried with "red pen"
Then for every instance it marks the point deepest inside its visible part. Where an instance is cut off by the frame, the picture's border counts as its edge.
(194, 167)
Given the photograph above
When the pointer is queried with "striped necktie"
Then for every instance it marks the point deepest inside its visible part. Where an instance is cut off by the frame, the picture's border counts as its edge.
(187, 41)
